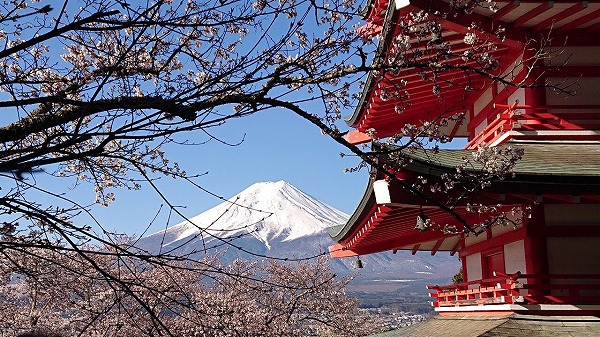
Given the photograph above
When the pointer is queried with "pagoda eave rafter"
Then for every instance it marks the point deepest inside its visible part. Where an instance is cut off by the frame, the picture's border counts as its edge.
(514, 37)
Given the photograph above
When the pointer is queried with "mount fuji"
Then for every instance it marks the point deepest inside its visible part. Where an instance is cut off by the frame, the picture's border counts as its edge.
(275, 219)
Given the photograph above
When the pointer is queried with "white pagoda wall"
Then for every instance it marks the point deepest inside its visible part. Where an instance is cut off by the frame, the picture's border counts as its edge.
(572, 56)
(576, 255)
(573, 254)
(474, 268)
(585, 88)
(514, 257)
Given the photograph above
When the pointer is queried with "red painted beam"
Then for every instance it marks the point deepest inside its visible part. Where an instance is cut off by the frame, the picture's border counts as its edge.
(461, 23)
(356, 137)
(412, 239)
(457, 125)
(532, 14)
(369, 30)
(337, 251)
(436, 246)
(535, 245)
(456, 247)
(593, 28)
(566, 28)
(494, 242)
(501, 97)
(547, 107)
(560, 16)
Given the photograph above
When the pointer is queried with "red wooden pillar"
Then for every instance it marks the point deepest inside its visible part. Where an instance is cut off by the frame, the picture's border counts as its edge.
(463, 261)
(536, 252)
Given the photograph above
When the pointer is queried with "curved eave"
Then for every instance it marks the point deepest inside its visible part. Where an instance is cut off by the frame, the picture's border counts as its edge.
(391, 226)
(376, 227)
(548, 172)
(524, 185)
(423, 100)
(381, 47)
(366, 202)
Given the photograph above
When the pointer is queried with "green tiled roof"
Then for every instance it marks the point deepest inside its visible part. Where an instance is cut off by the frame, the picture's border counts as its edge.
(334, 230)
(556, 159)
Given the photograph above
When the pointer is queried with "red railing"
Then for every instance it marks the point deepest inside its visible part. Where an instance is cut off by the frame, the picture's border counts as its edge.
(501, 289)
(508, 289)
(526, 117)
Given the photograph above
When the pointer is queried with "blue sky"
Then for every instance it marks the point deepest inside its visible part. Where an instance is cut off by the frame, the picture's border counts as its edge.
(278, 145)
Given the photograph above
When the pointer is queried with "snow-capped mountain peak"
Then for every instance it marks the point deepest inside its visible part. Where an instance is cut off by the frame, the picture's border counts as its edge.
(265, 210)
(275, 219)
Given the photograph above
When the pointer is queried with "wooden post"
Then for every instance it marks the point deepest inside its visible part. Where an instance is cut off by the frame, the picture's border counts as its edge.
(536, 252)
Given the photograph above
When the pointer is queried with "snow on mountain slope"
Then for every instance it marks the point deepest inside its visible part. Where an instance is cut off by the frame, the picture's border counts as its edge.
(267, 211)
(295, 229)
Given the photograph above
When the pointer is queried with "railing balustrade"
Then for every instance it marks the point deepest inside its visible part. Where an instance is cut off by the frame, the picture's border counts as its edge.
(520, 288)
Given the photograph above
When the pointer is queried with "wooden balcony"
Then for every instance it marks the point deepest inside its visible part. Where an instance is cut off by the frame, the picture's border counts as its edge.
(520, 288)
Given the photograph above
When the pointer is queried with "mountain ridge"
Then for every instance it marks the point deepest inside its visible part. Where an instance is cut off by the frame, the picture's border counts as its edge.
(265, 210)
(279, 220)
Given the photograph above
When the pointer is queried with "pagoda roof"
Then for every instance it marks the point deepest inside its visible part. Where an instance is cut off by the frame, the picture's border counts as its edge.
(523, 20)
(559, 173)
(577, 159)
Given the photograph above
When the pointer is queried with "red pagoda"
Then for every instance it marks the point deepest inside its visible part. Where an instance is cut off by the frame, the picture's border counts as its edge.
(548, 263)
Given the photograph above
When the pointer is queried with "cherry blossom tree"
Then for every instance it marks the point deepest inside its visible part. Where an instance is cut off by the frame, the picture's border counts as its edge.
(97, 91)
(58, 292)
